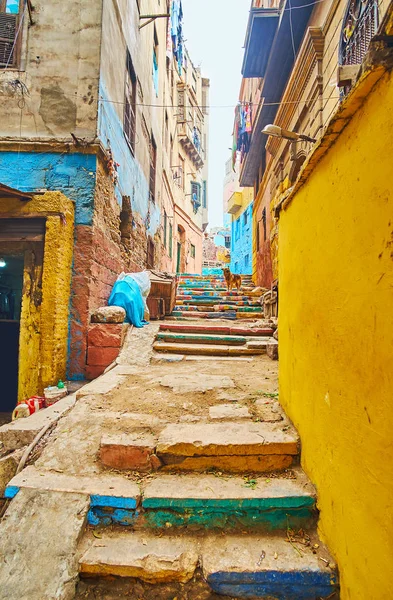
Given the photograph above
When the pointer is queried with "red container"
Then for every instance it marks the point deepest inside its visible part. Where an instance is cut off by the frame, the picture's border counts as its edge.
(28, 407)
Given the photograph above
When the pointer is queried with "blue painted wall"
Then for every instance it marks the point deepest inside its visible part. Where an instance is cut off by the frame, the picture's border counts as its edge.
(72, 174)
(131, 178)
(241, 243)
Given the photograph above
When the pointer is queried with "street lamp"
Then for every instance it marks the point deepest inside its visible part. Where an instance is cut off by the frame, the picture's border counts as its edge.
(292, 136)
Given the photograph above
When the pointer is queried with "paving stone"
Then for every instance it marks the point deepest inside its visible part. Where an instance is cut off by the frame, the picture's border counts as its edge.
(200, 382)
(227, 412)
(146, 557)
(265, 567)
(108, 314)
(38, 540)
(135, 451)
(21, 432)
(226, 439)
(268, 411)
(102, 385)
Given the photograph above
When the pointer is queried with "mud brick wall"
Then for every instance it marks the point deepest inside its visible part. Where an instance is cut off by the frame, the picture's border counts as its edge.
(101, 253)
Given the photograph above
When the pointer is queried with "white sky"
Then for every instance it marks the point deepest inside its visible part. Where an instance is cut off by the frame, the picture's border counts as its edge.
(214, 31)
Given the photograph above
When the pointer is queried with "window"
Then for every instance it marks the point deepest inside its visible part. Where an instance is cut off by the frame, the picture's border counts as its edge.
(194, 83)
(155, 63)
(359, 26)
(165, 228)
(129, 122)
(237, 229)
(246, 261)
(257, 236)
(227, 241)
(170, 240)
(192, 251)
(245, 217)
(150, 253)
(166, 131)
(264, 223)
(236, 267)
(153, 165)
(195, 195)
(10, 32)
(204, 194)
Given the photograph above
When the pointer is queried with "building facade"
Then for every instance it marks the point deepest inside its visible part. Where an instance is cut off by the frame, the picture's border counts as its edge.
(324, 71)
(103, 110)
(238, 206)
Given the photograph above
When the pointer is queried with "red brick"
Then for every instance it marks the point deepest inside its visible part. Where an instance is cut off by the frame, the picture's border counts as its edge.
(92, 372)
(133, 451)
(101, 356)
(105, 335)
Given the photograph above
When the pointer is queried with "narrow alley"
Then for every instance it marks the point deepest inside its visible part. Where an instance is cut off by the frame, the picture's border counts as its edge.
(201, 496)
(196, 325)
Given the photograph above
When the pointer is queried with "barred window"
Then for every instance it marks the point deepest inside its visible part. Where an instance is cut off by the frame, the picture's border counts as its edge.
(359, 26)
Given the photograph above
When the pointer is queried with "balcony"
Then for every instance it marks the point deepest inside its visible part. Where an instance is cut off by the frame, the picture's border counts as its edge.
(235, 203)
(190, 139)
(262, 27)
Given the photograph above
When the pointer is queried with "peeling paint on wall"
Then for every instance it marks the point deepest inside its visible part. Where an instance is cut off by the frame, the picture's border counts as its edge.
(72, 174)
(131, 180)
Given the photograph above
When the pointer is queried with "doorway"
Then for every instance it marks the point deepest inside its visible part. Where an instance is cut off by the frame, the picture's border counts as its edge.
(180, 262)
(11, 290)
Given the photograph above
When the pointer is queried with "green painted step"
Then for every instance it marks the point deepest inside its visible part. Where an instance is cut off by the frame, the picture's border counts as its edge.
(191, 338)
(210, 502)
(207, 349)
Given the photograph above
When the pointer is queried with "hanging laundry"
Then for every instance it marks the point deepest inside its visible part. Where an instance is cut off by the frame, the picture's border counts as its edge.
(177, 33)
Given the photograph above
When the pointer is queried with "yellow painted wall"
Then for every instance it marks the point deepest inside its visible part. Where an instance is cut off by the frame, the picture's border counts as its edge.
(44, 323)
(336, 342)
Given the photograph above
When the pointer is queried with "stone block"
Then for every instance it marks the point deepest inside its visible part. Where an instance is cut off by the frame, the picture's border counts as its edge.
(21, 432)
(94, 371)
(101, 356)
(134, 451)
(107, 335)
(263, 566)
(228, 412)
(149, 558)
(8, 466)
(108, 314)
(48, 525)
(272, 350)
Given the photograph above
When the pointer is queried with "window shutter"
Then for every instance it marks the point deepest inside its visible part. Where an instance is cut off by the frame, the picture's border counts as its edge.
(8, 30)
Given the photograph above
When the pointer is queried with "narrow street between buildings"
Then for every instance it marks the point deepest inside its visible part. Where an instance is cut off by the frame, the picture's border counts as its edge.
(184, 466)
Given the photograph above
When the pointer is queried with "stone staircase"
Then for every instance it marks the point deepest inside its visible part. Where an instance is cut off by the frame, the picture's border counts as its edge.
(213, 506)
(202, 297)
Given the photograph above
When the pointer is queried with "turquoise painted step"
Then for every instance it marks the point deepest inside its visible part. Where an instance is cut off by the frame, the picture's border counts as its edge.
(208, 502)
(205, 315)
(202, 338)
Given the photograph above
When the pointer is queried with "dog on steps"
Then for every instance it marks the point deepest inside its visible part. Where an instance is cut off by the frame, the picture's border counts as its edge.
(232, 280)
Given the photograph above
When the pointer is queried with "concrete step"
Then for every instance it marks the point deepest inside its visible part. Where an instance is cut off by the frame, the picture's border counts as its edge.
(228, 503)
(182, 314)
(231, 315)
(199, 338)
(232, 447)
(209, 349)
(237, 566)
(216, 329)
